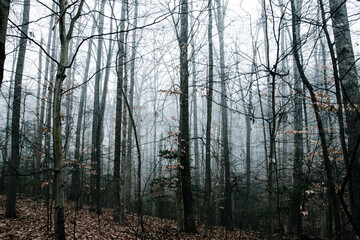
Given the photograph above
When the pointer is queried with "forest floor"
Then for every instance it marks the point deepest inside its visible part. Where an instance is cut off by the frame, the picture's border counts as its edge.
(32, 223)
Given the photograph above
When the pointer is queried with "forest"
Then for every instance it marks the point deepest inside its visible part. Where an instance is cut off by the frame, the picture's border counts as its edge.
(179, 119)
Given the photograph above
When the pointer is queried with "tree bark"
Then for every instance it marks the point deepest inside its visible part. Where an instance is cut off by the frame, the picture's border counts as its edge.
(128, 178)
(349, 83)
(184, 145)
(118, 215)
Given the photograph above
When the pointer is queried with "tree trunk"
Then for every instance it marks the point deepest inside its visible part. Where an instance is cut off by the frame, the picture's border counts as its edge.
(65, 37)
(226, 218)
(15, 122)
(349, 82)
(184, 147)
(207, 193)
(296, 226)
(118, 216)
(95, 176)
(128, 163)
(4, 14)
(38, 131)
(75, 179)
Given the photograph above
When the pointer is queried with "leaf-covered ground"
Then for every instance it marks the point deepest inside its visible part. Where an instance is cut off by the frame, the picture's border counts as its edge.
(32, 223)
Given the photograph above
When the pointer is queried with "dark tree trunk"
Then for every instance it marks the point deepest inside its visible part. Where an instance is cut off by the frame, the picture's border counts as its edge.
(15, 122)
(4, 14)
(207, 193)
(184, 147)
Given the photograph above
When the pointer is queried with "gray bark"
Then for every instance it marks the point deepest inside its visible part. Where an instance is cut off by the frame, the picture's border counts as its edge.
(349, 83)
(118, 215)
(128, 178)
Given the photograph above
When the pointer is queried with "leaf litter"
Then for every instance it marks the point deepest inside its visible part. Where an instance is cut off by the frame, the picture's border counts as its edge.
(33, 220)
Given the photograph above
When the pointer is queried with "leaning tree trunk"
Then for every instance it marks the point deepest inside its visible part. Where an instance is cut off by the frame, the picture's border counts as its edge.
(184, 147)
(15, 122)
(4, 14)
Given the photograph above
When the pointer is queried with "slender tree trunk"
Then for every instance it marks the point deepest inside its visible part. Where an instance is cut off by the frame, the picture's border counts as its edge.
(75, 179)
(184, 147)
(4, 14)
(65, 37)
(15, 122)
(38, 131)
(195, 118)
(207, 193)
